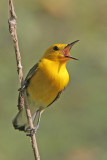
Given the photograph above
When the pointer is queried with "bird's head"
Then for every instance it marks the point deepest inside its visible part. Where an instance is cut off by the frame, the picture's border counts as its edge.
(60, 52)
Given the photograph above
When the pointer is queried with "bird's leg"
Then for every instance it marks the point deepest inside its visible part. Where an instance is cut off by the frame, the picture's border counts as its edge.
(34, 116)
(37, 126)
(34, 130)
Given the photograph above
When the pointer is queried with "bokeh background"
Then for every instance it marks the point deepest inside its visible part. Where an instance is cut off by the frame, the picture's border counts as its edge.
(74, 127)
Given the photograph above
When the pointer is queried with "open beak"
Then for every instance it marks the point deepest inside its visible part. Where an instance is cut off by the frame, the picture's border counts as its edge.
(67, 50)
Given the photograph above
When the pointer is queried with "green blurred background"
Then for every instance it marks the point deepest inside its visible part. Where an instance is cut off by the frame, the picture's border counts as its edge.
(74, 127)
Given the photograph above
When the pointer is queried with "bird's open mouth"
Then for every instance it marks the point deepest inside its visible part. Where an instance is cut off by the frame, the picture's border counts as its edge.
(67, 50)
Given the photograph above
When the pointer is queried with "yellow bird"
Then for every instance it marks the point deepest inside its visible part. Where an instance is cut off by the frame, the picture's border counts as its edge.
(44, 83)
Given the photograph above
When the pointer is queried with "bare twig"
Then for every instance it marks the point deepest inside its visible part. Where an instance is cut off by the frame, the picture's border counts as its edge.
(23, 96)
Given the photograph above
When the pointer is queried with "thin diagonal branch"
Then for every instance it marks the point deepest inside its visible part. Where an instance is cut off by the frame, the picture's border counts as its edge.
(23, 97)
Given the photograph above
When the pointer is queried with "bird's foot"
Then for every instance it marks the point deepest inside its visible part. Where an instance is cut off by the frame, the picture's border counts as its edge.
(32, 131)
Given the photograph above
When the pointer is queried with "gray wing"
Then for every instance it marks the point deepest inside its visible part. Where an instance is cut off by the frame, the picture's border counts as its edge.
(32, 72)
(29, 76)
(58, 95)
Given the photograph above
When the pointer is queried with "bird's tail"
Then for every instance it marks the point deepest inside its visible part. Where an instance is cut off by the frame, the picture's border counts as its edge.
(20, 121)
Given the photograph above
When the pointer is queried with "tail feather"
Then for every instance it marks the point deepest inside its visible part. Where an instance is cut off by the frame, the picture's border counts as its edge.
(20, 121)
(20, 128)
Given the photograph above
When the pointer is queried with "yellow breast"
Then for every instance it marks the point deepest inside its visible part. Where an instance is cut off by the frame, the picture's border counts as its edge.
(50, 78)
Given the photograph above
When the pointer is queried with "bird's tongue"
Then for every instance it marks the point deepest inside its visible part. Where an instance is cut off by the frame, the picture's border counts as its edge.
(67, 51)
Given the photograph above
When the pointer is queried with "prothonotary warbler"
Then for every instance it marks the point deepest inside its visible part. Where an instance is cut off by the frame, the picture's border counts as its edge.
(44, 83)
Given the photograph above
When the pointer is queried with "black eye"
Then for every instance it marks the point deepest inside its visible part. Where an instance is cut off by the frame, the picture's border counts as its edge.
(55, 48)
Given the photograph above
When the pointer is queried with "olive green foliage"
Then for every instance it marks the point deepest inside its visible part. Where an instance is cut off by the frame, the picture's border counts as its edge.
(74, 127)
